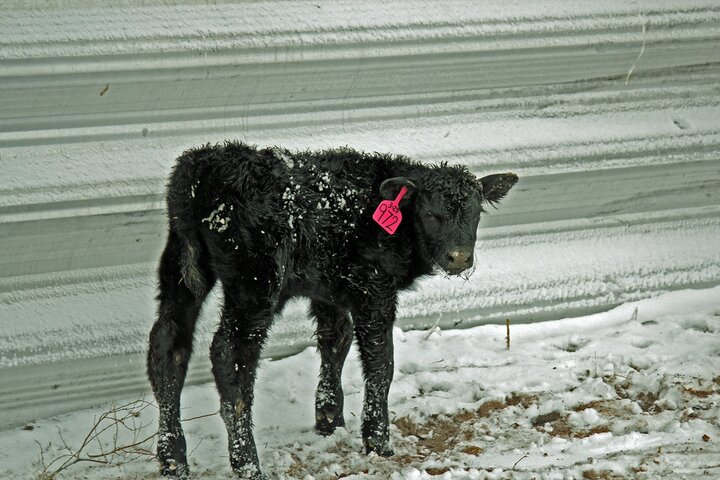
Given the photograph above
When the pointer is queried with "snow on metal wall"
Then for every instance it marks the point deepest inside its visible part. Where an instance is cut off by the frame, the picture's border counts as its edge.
(609, 111)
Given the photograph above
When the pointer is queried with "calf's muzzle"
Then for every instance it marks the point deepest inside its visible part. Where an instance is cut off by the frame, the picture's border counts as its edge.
(458, 259)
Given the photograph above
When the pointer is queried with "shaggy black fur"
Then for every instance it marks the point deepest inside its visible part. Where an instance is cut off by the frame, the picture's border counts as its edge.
(270, 224)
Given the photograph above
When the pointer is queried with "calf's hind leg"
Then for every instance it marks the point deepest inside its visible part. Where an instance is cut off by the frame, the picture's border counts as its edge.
(334, 337)
(235, 352)
(169, 353)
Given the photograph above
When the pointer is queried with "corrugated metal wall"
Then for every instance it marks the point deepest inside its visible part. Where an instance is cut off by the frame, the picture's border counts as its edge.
(609, 112)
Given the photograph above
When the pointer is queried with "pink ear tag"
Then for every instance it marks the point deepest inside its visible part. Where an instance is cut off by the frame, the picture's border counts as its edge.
(388, 214)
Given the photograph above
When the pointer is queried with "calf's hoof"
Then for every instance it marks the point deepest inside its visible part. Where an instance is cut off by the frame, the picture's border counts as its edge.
(327, 422)
(249, 472)
(169, 468)
(171, 454)
(381, 448)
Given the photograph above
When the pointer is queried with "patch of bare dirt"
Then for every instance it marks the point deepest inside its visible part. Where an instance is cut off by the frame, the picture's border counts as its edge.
(601, 475)
(560, 426)
(699, 393)
(440, 433)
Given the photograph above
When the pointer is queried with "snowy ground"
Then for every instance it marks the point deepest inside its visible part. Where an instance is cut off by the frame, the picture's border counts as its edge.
(629, 393)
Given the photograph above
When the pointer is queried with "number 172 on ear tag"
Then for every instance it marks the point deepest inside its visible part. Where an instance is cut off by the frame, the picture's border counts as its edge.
(388, 214)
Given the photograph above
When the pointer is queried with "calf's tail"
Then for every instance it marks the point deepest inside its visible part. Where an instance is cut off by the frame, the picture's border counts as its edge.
(182, 202)
(193, 275)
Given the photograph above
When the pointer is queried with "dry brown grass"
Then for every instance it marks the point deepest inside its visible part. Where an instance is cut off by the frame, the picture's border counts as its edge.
(601, 475)
(440, 433)
(699, 393)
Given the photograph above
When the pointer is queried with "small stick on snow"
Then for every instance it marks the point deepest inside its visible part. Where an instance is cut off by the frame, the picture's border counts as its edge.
(507, 338)
(198, 444)
(596, 364)
(642, 50)
(521, 459)
(434, 328)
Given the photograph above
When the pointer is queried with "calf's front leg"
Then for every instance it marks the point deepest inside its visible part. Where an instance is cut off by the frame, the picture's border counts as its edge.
(373, 330)
(334, 338)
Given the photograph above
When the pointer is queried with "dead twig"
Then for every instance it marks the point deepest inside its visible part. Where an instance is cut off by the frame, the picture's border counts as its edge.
(642, 50)
(106, 432)
(507, 337)
(434, 328)
(110, 420)
(520, 460)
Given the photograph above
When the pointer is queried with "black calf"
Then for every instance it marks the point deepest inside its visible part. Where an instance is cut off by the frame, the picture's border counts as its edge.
(269, 225)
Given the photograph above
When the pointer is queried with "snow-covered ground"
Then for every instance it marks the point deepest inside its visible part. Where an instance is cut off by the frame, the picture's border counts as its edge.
(629, 393)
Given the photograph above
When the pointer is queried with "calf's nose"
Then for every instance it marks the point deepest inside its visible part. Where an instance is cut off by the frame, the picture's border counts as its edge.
(459, 258)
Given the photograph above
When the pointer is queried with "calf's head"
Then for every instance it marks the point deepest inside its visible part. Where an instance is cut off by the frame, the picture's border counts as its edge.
(444, 206)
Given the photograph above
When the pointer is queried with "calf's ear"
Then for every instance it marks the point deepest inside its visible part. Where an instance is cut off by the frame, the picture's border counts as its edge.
(390, 188)
(495, 187)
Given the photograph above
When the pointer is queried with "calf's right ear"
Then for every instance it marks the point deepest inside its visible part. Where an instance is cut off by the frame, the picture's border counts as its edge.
(390, 188)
